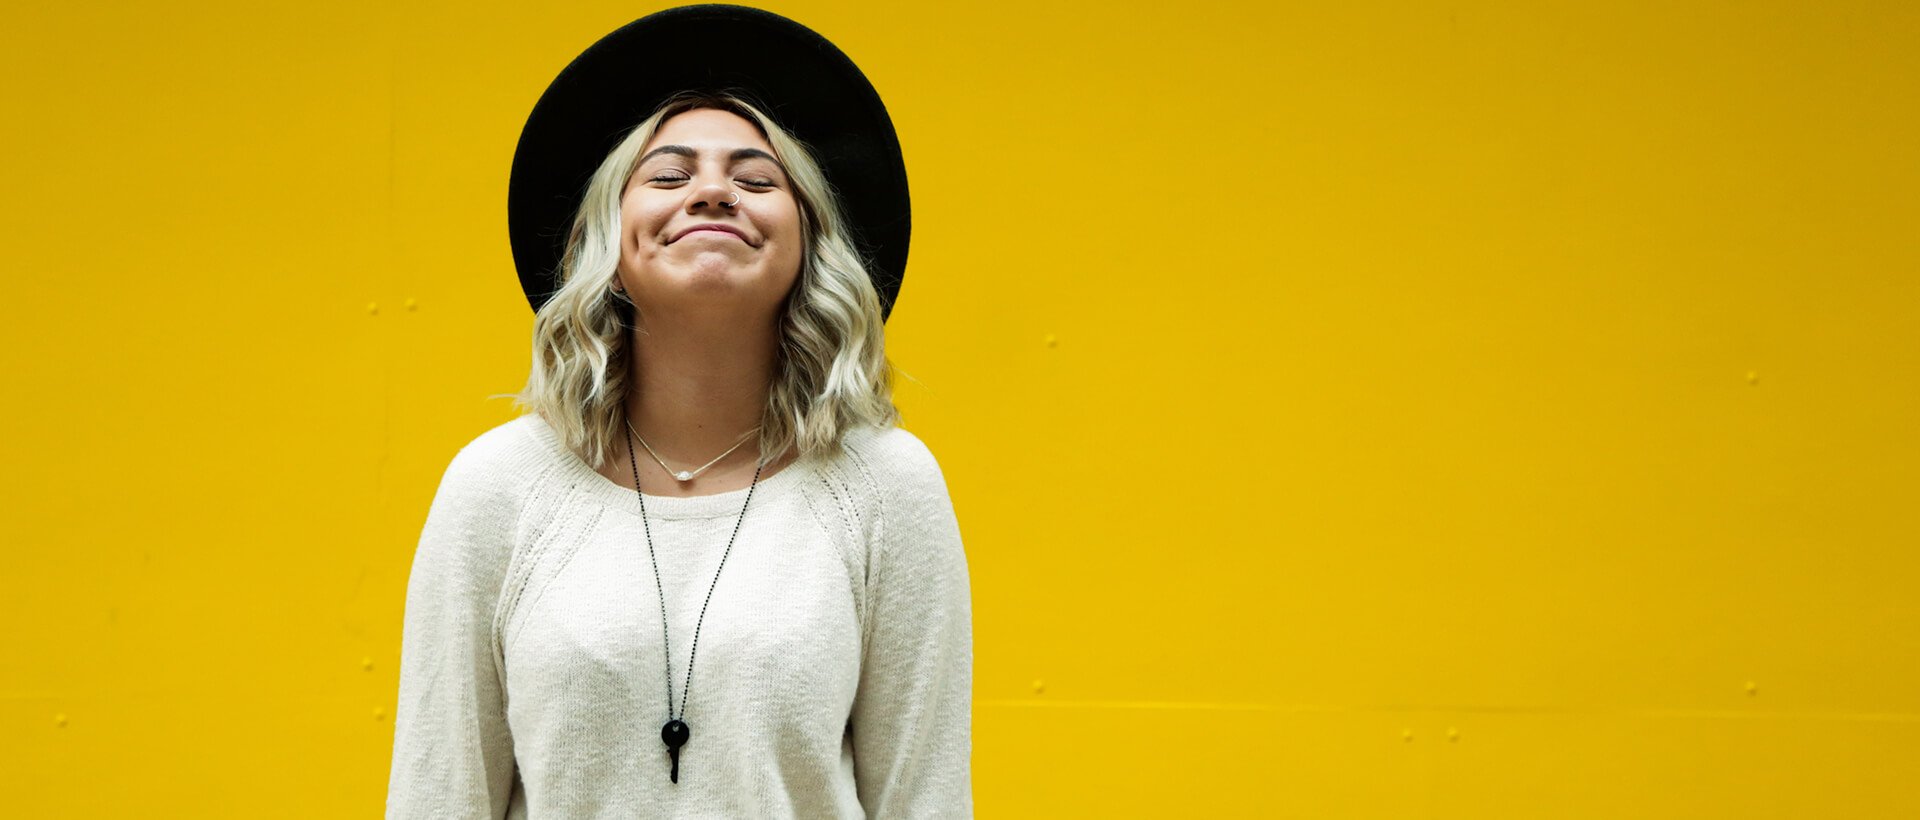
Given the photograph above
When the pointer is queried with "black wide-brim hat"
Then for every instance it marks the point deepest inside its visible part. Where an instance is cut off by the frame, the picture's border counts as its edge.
(796, 76)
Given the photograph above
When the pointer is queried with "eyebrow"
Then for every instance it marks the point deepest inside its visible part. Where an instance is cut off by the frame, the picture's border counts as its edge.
(737, 155)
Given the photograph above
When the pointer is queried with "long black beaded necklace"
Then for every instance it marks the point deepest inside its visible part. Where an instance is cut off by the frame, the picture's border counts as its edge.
(675, 734)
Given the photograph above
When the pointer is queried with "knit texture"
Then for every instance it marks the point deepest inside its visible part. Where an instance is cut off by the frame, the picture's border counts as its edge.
(834, 671)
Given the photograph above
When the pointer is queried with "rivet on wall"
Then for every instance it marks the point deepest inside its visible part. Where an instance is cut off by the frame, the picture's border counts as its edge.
(1752, 689)
(373, 308)
(379, 713)
(411, 304)
(1453, 735)
(367, 664)
(1052, 340)
(1406, 735)
(1753, 377)
(1039, 686)
(60, 720)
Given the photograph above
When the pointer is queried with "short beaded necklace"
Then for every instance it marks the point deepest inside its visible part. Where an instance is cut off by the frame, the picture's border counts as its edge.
(676, 733)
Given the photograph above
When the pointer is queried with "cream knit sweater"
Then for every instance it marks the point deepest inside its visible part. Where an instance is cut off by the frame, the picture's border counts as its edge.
(835, 665)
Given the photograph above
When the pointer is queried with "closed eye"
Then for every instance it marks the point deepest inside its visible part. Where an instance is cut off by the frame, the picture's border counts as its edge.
(756, 183)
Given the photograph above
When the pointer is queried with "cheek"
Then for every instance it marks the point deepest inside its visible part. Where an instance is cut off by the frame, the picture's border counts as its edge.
(637, 225)
(789, 221)
(794, 249)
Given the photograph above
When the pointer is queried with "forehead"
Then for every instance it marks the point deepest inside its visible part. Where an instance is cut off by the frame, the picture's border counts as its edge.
(709, 128)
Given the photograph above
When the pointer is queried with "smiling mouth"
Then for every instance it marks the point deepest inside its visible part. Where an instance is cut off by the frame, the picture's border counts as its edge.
(712, 231)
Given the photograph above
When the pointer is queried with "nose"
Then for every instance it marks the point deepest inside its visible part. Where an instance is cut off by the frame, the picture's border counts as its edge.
(708, 197)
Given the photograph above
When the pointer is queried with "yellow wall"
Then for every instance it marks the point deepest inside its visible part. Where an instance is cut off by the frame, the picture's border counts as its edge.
(1352, 410)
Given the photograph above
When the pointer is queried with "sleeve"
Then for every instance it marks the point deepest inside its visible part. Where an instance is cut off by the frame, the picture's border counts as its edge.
(912, 720)
(452, 754)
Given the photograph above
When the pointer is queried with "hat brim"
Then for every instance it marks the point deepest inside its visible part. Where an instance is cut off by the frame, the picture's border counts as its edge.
(804, 82)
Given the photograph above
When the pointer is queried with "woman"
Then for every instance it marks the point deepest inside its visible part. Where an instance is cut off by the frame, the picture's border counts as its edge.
(707, 576)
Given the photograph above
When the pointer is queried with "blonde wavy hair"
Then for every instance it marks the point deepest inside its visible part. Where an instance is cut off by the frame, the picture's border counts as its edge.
(832, 372)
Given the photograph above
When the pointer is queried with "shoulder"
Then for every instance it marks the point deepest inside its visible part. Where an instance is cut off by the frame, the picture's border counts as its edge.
(472, 528)
(478, 512)
(905, 479)
(499, 461)
(897, 458)
(505, 441)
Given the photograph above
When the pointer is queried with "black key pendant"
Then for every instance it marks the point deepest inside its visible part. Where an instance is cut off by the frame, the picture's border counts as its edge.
(675, 734)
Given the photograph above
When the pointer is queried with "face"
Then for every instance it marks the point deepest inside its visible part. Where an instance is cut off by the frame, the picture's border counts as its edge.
(709, 225)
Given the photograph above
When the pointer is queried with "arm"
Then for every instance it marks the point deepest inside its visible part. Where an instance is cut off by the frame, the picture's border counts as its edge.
(913, 716)
(452, 755)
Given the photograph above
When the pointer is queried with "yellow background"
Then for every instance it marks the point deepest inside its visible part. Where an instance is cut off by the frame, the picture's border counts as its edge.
(1352, 410)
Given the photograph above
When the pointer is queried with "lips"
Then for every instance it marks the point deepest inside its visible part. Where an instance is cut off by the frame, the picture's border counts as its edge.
(711, 226)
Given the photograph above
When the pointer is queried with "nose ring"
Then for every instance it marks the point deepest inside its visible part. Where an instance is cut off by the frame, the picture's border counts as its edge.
(736, 200)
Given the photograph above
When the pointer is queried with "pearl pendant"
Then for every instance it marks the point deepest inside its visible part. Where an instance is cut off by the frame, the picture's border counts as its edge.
(683, 475)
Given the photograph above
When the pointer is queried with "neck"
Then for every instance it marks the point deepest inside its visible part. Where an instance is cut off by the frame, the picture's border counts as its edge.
(699, 387)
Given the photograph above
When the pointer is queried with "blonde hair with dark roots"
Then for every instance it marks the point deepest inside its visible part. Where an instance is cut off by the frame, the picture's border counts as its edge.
(832, 372)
